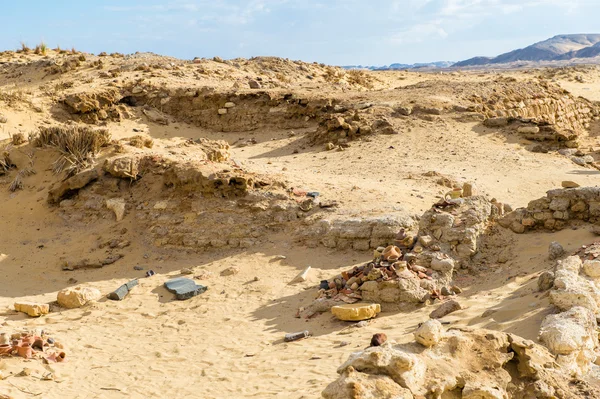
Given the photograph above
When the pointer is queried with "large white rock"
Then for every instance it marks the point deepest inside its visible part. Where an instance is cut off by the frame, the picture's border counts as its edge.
(592, 268)
(571, 290)
(572, 336)
(429, 333)
(572, 263)
(76, 297)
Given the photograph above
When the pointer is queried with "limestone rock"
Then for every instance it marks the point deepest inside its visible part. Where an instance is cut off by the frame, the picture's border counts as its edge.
(117, 205)
(253, 84)
(592, 268)
(555, 250)
(572, 336)
(77, 297)
(71, 185)
(32, 309)
(429, 333)
(302, 277)
(571, 263)
(496, 122)
(445, 309)
(356, 311)
(469, 190)
(528, 129)
(571, 290)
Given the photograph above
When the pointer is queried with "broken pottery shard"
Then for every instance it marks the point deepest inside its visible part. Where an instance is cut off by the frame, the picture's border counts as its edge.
(296, 336)
(184, 288)
(356, 311)
(122, 291)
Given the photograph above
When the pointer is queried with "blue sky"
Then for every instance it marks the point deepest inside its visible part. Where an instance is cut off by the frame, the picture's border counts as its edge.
(339, 32)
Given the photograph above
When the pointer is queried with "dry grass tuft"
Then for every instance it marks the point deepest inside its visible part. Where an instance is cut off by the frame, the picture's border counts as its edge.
(24, 48)
(78, 146)
(360, 78)
(5, 162)
(41, 48)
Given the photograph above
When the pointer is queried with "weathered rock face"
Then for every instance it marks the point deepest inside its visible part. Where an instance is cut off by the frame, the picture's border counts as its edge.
(556, 114)
(556, 210)
(71, 185)
(77, 297)
(461, 364)
(32, 309)
(92, 107)
(342, 128)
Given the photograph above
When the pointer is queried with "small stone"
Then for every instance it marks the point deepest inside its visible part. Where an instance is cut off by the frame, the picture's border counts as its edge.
(253, 84)
(445, 309)
(3, 119)
(229, 104)
(545, 281)
(429, 333)
(496, 122)
(356, 311)
(456, 289)
(378, 339)
(186, 270)
(555, 250)
(32, 309)
(569, 184)
(117, 205)
(528, 129)
(77, 297)
(230, 271)
(329, 146)
(222, 111)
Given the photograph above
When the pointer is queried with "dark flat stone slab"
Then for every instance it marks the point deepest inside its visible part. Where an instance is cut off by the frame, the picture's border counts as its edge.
(184, 288)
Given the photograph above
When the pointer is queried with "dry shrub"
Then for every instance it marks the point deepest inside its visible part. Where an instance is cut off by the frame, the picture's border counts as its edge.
(24, 48)
(360, 78)
(18, 138)
(12, 97)
(78, 146)
(5, 162)
(141, 141)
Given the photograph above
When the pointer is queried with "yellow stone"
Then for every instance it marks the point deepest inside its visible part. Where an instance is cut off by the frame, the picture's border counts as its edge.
(356, 311)
(32, 309)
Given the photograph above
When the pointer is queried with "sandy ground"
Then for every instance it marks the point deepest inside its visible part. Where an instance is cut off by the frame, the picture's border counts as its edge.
(228, 342)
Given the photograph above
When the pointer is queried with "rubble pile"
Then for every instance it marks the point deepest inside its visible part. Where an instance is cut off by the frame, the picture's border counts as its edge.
(30, 345)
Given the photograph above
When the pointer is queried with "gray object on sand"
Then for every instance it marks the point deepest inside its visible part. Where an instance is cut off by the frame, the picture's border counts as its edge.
(184, 288)
(122, 291)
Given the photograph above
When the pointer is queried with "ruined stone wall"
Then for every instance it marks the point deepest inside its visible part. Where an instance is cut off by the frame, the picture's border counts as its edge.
(542, 103)
(357, 233)
(557, 210)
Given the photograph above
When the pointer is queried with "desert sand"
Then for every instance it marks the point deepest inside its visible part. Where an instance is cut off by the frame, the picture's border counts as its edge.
(228, 341)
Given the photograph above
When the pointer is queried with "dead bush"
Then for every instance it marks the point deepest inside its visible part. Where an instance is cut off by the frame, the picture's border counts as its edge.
(78, 146)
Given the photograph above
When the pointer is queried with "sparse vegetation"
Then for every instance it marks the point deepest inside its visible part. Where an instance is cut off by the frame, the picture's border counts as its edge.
(18, 138)
(78, 146)
(5, 162)
(24, 48)
(359, 77)
(41, 48)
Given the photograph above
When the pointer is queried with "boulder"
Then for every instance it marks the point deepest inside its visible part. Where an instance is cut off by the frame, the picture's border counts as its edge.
(32, 309)
(77, 297)
(571, 290)
(572, 336)
(356, 311)
(555, 250)
(429, 333)
(71, 185)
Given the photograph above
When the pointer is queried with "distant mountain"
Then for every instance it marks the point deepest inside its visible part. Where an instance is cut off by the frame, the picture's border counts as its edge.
(438, 64)
(561, 47)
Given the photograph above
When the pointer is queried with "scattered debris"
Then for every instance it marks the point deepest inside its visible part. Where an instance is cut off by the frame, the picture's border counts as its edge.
(184, 288)
(122, 291)
(296, 336)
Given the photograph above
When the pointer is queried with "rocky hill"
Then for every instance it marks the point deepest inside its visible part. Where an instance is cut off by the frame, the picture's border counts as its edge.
(560, 47)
